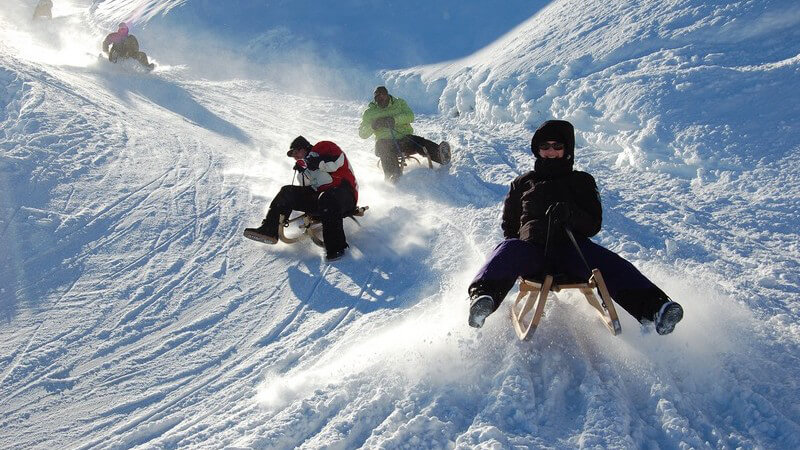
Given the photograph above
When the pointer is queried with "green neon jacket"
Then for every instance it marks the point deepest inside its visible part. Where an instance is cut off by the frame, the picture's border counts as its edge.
(397, 108)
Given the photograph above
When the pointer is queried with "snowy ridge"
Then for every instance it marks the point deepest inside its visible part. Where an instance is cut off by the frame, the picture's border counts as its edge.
(133, 313)
(666, 77)
(132, 12)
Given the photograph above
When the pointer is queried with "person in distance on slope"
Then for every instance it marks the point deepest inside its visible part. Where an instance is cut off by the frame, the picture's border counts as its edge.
(44, 9)
(124, 45)
(389, 119)
(554, 192)
(327, 186)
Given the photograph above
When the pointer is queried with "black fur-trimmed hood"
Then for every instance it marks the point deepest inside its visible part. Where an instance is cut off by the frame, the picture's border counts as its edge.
(555, 130)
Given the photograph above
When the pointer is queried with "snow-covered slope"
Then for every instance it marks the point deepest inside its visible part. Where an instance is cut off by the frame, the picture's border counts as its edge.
(377, 34)
(132, 313)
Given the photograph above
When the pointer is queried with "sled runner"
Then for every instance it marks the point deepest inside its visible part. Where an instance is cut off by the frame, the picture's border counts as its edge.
(115, 56)
(127, 64)
(403, 157)
(402, 161)
(527, 309)
(309, 225)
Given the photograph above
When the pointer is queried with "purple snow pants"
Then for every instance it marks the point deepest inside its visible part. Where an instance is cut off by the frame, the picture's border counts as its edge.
(515, 258)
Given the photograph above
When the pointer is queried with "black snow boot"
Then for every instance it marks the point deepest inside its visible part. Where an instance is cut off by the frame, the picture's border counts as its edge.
(667, 317)
(261, 234)
(335, 255)
(444, 153)
(480, 308)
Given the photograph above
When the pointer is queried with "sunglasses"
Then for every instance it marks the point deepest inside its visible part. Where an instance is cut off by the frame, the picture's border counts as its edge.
(554, 146)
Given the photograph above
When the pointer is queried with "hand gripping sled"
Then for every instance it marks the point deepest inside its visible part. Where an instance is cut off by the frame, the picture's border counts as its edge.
(310, 226)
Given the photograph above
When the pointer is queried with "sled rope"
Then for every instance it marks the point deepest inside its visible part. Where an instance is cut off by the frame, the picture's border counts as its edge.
(575, 243)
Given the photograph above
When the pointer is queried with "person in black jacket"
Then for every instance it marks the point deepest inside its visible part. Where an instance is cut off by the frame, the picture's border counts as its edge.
(538, 207)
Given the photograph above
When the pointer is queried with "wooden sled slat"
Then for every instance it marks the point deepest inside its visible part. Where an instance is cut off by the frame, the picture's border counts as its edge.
(606, 309)
(403, 160)
(533, 296)
(311, 226)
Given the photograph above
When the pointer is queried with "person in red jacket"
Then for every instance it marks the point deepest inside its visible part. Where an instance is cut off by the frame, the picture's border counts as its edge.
(327, 187)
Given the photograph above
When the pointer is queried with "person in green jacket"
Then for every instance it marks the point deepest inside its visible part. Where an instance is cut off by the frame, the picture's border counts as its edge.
(389, 119)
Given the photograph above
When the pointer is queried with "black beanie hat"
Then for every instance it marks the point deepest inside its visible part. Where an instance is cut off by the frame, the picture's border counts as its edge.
(298, 143)
(555, 130)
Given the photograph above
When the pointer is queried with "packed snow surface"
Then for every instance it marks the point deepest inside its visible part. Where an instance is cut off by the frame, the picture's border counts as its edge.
(134, 314)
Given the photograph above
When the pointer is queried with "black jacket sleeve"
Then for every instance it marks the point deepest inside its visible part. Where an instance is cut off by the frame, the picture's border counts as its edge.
(512, 209)
(586, 210)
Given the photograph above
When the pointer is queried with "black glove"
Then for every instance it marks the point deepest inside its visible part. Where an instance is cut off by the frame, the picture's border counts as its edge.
(383, 122)
(312, 162)
(558, 213)
(298, 166)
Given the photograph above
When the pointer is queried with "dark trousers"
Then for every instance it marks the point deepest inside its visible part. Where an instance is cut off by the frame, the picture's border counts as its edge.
(515, 258)
(389, 150)
(129, 48)
(331, 205)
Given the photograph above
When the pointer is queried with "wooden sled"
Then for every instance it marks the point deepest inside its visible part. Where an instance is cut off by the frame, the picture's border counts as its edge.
(402, 161)
(310, 226)
(526, 312)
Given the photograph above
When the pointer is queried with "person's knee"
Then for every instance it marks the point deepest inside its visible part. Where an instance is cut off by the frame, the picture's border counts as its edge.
(329, 210)
(330, 207)
(515, 246)
(284, 198)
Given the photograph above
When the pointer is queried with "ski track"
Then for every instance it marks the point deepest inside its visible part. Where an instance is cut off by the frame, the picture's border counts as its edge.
(160, 326)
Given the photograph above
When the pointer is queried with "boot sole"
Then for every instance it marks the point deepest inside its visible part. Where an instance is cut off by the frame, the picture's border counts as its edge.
(260, 238)
(670, 319)
(478, 313)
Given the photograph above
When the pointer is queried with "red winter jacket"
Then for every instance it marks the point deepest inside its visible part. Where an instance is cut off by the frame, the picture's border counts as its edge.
(326, 167)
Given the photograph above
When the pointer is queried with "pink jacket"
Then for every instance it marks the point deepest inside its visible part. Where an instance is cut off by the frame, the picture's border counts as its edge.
(115, 38)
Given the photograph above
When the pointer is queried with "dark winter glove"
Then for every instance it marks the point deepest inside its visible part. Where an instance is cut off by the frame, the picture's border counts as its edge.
(558, 213)
(299, 166)
(312, 162)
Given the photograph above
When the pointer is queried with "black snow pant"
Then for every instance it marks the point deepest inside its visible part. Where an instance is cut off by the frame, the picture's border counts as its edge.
(515, 258)
(389, 150)
(331, 205)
